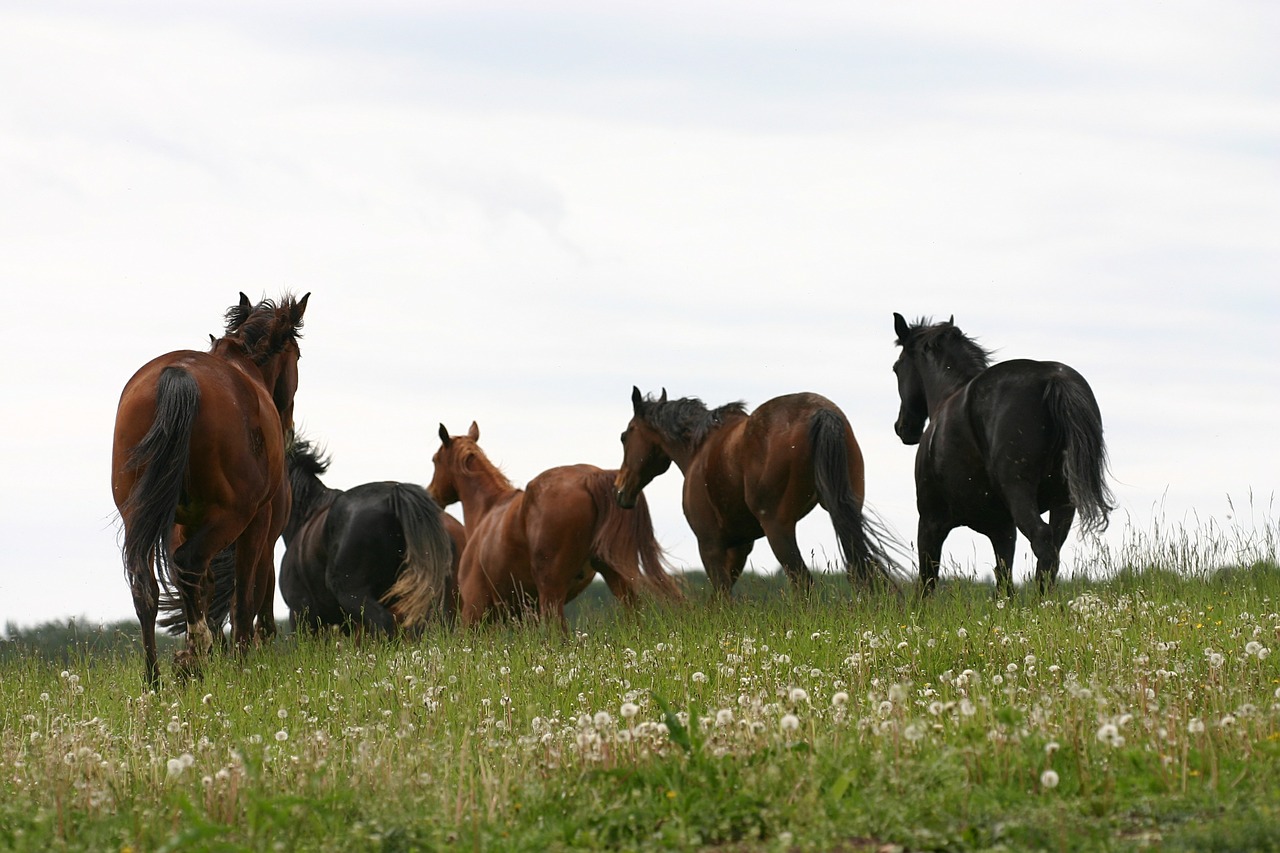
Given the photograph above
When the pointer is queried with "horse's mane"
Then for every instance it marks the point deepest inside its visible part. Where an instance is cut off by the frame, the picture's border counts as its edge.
(472, 459)
(945, 341)
(265, 329)
(305, 463)
(688, 421)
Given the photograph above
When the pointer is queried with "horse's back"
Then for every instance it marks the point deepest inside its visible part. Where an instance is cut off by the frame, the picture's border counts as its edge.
(1012, 395)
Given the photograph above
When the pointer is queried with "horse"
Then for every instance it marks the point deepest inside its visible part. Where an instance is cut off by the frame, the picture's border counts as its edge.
(752, 476)
(1005, 443)
(197, 464)
(380, 556)
(546, 542)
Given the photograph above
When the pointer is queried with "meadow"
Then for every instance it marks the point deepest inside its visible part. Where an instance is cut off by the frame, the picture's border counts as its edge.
(1136, 711)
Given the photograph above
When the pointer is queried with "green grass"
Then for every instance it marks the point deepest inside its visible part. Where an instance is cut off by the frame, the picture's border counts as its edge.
(1137, 712)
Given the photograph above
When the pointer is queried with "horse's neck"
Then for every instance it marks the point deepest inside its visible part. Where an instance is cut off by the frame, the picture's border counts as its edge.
(481, 489)
(942, 380)
(310, 498)
(231, 352)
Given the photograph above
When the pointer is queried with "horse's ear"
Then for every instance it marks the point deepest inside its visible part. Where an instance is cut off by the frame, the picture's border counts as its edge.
(299, 307)
(663, 398)
(444, 436)
(474, 432)
(245, 304)
(900, 327)
(637, 401)
(952, 321)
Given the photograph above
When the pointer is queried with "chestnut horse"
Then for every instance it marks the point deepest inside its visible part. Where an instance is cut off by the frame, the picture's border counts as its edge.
(545, 542)
(1004, 444)
(380, 555)
(748, 476)
(198, 464)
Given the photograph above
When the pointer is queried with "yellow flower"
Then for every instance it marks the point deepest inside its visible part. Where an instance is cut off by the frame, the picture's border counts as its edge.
(671, 795)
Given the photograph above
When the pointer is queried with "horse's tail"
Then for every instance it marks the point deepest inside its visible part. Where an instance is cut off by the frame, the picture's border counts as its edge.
(865, 557)
(1078, 421)
(427, 568)
(162, 457)
(223, 569)
(624, 538)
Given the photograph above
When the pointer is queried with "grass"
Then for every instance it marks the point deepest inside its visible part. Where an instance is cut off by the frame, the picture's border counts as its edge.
(1137, 712)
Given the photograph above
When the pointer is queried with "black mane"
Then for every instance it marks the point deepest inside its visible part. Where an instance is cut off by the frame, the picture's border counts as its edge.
(305, 463)
(945, 342)
(687, 421)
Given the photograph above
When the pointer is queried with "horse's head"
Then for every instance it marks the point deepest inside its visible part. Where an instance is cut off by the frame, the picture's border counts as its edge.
(449, 461)
(268, 333)
(914, 409)
(642, 455)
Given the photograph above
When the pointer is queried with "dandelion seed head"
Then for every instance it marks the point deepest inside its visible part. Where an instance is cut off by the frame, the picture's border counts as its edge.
(1049, 780)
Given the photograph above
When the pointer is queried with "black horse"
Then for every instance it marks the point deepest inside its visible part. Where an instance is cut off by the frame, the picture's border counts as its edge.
(380, 556)
(1005, 444)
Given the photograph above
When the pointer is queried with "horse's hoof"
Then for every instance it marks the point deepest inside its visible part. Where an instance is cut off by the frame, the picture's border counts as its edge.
(186, 665)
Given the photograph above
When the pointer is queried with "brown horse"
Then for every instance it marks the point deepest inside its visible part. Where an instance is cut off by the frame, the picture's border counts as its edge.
(546, 542)
(748, 476)
(198, 464)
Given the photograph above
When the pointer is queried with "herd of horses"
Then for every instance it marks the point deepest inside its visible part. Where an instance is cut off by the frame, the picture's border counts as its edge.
(207, 473)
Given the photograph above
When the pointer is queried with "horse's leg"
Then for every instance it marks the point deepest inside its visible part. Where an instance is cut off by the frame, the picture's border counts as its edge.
(351, 566)
(782, 539)
(191, 575)
(475, 595)
(265, 625)
(1004, 542)
(255, 561)
(623, 586)
(930, 534)
(723, 563)
(555, 568)
(1024, 506)
(146, 603)
(1060, 520)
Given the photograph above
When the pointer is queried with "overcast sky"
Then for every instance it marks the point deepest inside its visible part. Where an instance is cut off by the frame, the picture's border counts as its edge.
(513, 212)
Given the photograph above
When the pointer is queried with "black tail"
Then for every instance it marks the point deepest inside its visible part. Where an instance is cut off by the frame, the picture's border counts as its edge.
(223, 569)
(162, 456)
(428, 556)
(1078, 422)
(864, 556)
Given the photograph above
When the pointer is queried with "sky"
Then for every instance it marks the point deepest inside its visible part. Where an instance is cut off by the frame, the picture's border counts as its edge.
(512, 213)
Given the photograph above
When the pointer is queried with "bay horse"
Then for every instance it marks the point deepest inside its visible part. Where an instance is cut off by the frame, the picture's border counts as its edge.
(197, 465)
(1005, 443)
(543, 543)
(752, 476)
(380, 556)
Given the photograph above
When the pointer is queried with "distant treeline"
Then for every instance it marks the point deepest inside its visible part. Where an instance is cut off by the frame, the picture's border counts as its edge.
(67, 640)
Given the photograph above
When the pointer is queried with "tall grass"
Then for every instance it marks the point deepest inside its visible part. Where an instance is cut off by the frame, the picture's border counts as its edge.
(1135, 710)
